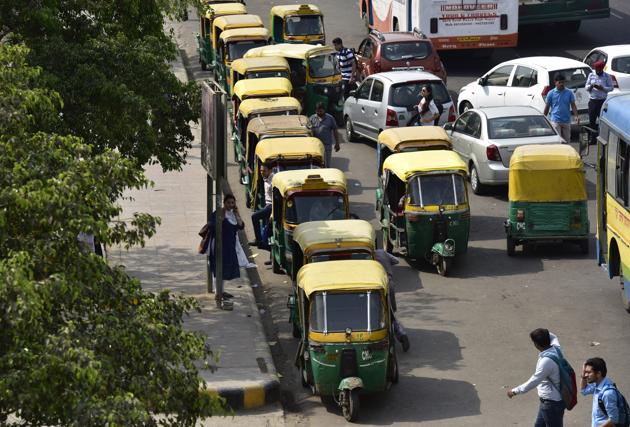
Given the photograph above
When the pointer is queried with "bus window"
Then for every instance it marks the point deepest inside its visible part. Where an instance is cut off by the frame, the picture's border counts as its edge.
(621, 176)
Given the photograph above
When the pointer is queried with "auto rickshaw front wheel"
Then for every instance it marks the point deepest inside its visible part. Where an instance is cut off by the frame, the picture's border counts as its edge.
(350, 404)
(444, 265)
(511, 246)
(393, 369)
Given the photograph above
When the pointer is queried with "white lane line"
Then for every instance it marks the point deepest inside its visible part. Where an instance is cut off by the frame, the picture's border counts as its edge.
(615, 15)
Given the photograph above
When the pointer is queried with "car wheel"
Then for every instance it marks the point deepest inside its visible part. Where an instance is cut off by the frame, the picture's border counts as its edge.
(511, 246)
(475, 184)
(465, 106)
(350, 135)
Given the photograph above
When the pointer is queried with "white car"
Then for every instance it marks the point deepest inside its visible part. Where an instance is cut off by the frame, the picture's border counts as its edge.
(617, 60)
(485, 139)
(526, 81)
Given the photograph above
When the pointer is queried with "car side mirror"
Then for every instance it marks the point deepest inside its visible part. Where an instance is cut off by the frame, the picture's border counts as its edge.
(352, 93)
(481, 81)
(448, 126)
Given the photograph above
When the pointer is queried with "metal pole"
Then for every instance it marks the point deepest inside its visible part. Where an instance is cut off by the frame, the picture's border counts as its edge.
(209, 210)
(218, 256)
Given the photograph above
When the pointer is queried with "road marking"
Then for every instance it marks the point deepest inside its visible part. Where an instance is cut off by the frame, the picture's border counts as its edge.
(615, 15)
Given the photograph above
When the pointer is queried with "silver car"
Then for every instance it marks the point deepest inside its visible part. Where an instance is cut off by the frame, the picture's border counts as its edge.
(485, 139)
(386, 100)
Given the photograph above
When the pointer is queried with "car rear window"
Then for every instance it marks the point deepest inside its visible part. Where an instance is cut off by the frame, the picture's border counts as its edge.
(401, 51)
(621, 64)
(519, 127)
(408, 94)
(573, 77)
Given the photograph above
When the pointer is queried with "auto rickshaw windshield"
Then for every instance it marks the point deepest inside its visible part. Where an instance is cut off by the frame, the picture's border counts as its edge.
(236, 50)
(337, 312)
(323, 65)
(437, 190)
(303, 25)
(303, 207)
(263, 74)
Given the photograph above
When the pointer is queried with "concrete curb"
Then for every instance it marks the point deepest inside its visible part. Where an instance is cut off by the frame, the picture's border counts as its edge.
(248, 397)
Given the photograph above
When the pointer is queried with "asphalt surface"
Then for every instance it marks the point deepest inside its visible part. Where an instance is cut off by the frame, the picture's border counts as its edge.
(469, 332)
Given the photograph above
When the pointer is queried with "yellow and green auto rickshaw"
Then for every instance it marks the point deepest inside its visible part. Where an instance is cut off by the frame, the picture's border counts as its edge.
(297, 23)
(267, 87)
(424, 207)
(347, 340)
(232, 45)
(300, 196)
(204, 36)
(258, 107)
(256, 68)
(282, 154)
(315, 75)
(547, 197)
(230, 22)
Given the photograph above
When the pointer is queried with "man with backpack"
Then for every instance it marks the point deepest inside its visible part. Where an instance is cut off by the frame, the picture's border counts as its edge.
(547, 379)
(610, 408)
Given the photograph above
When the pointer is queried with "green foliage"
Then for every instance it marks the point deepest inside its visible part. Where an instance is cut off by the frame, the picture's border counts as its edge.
(80, 343)
(108, 60)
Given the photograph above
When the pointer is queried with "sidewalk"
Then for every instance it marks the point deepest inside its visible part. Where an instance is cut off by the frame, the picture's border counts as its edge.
(246, 374)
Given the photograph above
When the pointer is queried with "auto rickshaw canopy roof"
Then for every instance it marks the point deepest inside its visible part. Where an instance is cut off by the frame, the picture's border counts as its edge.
(304, 178)
(290, 148)
(295, 9)
(343, 230)
(269, 105)
(244, 65)
(546, 173)
(415, 136)
(343, 275)
(278, 125)
(289, 50)
(228, 22)
(221, 9)
(405, 165)
(244, 34)
(266, 86)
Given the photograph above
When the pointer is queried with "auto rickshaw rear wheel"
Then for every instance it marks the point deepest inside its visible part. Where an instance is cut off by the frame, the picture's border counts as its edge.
(296, 331)
(624, 297)
(393, 369)
(387, 245)
(275, 266)
(304, 374)
(350, 405)
(511, 246)
(444, 266)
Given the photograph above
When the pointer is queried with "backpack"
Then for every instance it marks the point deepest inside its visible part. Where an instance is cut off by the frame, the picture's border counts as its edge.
(622, 405)
(568, 384)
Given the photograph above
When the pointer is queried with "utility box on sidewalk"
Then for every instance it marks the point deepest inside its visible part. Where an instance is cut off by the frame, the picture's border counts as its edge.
(214, 161)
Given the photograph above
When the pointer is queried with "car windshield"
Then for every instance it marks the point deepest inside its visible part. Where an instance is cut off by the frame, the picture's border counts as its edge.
(405, 51)
(357, 311)
(303, 25)
(304, 207)
(263, 74)
(236, 50)
(437, 190)
(408, 94)
(621, 64)
(519, 127)
(335, 256)
(574, 78)
(323, 65)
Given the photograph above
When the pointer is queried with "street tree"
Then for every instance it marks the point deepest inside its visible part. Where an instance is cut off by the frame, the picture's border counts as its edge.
(109, 62)
(81, 344)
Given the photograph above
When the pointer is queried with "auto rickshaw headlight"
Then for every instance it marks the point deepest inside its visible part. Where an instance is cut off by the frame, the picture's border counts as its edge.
(520, 215)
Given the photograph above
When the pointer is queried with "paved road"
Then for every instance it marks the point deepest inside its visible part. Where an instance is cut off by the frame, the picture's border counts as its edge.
(469, 332)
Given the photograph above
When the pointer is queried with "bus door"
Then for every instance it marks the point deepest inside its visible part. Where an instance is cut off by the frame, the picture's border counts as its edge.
(602, 232)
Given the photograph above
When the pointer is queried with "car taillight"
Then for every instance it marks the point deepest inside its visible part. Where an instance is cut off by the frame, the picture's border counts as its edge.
(545, 91)
(520, 215)
(451, 114)
(615, 84)
(391, 118)
(492, 153)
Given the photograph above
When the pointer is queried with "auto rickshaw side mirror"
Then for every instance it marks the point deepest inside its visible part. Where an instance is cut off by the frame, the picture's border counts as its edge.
(448, 126)
(352, 93)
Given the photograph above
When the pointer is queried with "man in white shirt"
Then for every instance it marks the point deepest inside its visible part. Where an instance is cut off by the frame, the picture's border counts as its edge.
(260, 218)
(546, 379)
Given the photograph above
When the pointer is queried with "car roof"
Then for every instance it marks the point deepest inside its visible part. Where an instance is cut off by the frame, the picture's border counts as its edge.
(549, 63)
(406, 76)
(508, 111)
(399, 36)
(615, 50)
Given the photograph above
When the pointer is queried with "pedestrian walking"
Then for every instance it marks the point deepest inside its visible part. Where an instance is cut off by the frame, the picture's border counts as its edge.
(388, 260)
(260, 218)
(546, 379)
(560, 102)
(598, 84)
(610, 408)
(232, 222)
(347, 64)
(324, 127)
